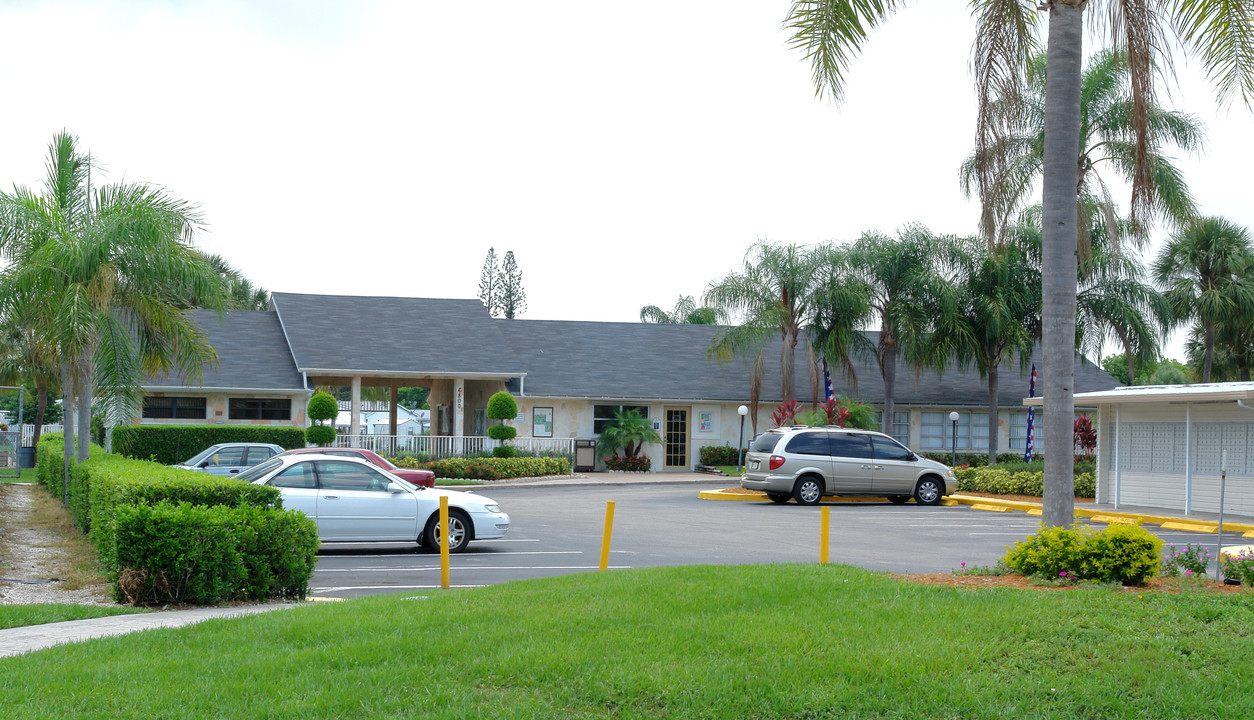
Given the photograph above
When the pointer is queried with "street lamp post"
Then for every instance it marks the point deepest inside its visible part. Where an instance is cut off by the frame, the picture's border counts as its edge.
(953, 417)
(740, 455)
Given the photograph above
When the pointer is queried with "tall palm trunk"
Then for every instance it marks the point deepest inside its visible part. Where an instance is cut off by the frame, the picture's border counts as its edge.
(787, 362)
(85, 387)
(41, 407)
(992, 413)
(67, 426)
(1058, 266)
(1209, 360)
(888, 370)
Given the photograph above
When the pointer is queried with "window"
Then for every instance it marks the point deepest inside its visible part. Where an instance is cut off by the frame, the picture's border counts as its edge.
(259, 454)
(604, 414)
(811, 443)
(901, 425)
(1019, 430)
(184, 408)
(851, 445)
(228, 457)
(260, 409)
(765, 442)
(349, 476)
(300, 475)
(937, 432)
(886, 449)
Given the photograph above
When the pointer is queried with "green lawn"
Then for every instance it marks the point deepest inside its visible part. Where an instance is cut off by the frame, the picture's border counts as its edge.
(28, 475)
(12, 616)
(781, 641)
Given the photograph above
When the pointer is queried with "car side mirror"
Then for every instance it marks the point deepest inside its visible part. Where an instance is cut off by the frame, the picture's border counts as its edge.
(204, 464)
(395, 489)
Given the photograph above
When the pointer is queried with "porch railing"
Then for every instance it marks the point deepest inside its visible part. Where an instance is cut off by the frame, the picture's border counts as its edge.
(445, 446)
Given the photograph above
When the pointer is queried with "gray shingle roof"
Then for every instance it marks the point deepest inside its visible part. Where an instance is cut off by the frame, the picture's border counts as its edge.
(646, 361)
(392, 335)
(422, 336)
(251, 353)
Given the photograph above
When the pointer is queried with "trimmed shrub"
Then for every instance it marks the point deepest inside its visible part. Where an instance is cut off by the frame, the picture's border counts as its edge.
(719, 455)
(172, 444)
(195, 554)
(502, 406)
(999, 481)
(320, 435)
(497, 468)
(322, 406)
(504, 451)
(1120, 553)
(628, 463)
(502, 432)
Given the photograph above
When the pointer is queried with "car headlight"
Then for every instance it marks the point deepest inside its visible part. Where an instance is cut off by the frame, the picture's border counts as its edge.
(492, 508)
(951, 473)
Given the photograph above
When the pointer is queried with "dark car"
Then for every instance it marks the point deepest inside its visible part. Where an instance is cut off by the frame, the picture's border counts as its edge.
(413, 476)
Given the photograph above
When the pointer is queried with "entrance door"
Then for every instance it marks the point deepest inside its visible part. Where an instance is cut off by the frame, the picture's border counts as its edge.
(675, 439)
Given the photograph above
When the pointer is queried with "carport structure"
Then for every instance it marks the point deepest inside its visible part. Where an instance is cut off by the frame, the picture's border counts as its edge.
(1166, 446)
(455, 349)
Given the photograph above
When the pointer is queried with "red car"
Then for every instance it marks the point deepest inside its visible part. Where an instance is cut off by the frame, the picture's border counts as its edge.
(418, 478)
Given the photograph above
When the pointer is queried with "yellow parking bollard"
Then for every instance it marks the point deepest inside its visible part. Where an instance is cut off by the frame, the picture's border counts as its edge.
(823, 534)
(444, 542)
(609, 528)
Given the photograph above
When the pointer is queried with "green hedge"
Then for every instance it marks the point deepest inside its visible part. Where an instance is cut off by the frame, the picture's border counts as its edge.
(719, 455)
(268, 543)
(202, 555)
(1003, 482)
(492, 468)
(172, 444)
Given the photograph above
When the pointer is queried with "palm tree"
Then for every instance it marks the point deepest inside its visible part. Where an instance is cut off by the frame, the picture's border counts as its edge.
(905, 292)
(629, 431)
(1115, 302)
(999, 301)
(1106, 138)
(774, 294)
(685, 312)
(830, 32)
(101, 272)
(1207, 272)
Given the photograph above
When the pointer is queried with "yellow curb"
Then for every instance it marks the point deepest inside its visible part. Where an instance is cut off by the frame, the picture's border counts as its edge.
(1035, 511)
(1008, 504)
(322, 599)
(761, 497)
(1249, 534)
(1189, 526)
(990, 508)
(1115, 519)
(949, 502)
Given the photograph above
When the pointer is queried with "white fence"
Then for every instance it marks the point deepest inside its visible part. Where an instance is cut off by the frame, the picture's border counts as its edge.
(28, 433)
(443, 446)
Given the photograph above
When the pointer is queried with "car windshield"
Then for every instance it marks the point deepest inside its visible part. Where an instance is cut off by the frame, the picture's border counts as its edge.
(765, 442)
(257, 471)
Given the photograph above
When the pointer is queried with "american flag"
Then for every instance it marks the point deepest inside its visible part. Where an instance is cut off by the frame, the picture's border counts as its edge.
(1027, 454)
(827, 383)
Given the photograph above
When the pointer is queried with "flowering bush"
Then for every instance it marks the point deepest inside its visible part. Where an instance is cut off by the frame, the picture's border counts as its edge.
(1121, 553)
(1192, 560)
(1084, 437)
(631, 463)
(785, 414)
(1239, 567)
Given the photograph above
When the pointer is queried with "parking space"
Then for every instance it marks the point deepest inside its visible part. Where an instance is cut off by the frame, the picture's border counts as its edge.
(558, 530)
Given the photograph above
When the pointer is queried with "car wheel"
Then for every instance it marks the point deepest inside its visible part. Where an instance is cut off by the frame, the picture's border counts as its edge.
(808, 491)
(458, 530)
(898, 499)
(928, 491)
(779, 498)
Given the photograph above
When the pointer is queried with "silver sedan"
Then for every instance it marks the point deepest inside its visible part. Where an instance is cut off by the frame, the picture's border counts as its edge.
(354, 501)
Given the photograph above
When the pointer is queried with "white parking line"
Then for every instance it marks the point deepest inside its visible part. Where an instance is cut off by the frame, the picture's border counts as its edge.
(471, 555)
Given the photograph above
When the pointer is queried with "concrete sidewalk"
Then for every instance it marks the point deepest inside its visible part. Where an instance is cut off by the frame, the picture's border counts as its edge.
(610, 478)
(19, 640)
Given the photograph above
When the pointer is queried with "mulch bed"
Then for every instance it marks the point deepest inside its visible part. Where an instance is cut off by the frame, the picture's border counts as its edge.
(1154, 585)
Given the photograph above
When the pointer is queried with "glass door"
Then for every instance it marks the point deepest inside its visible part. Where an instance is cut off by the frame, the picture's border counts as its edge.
(675, 439)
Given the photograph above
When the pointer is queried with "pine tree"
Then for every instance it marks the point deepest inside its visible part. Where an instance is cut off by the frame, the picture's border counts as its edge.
(490, 283)
(511, 298)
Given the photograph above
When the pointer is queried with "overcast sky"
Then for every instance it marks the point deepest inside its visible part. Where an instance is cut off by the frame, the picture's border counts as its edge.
(626, 152)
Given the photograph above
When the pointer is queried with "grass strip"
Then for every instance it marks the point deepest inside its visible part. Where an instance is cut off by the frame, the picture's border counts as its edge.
(12, 616)
(773, 641)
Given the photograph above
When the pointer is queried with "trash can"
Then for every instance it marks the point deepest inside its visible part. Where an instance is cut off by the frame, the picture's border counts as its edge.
(26, 457)
(585, 455)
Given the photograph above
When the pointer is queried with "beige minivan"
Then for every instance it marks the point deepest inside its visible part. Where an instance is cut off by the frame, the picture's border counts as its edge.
(806, 463)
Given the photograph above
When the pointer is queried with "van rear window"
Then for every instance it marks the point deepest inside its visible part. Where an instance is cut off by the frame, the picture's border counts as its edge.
(765, 442)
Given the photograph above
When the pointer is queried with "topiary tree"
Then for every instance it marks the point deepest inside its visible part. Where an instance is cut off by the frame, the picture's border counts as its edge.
(502, 406)
(322, 406)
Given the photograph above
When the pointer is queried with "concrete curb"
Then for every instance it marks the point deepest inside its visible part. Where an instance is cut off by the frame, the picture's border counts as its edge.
(999, 505)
